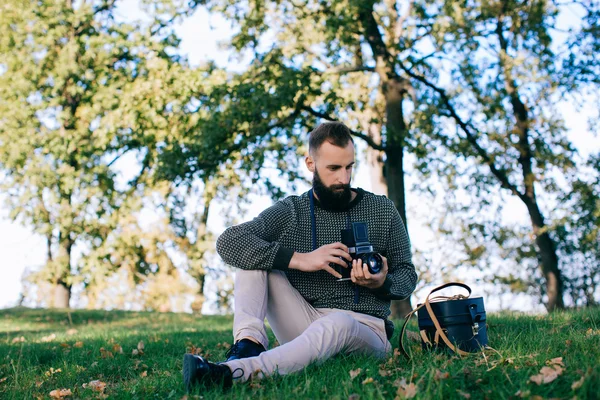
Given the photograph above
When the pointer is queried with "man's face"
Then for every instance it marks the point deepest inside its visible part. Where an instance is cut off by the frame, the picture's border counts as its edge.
(332, 168)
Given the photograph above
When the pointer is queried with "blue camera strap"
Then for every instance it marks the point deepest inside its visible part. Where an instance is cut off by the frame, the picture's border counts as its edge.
(313, 224)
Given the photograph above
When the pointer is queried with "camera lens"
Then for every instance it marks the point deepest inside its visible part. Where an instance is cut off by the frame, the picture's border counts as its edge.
(374, 262)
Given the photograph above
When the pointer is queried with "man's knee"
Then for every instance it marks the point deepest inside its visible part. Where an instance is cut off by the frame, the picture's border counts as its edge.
(250, 274)
(339, 322)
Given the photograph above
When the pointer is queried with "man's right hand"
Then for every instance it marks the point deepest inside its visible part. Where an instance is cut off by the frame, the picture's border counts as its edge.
(320, 259)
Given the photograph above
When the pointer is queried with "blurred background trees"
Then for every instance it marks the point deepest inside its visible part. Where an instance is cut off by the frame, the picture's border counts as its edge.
(457, 107)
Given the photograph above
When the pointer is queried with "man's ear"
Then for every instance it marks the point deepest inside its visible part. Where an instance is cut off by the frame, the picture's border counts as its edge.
(310, 163)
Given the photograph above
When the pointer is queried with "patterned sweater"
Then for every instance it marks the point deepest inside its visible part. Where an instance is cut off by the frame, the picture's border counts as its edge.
(269, 241)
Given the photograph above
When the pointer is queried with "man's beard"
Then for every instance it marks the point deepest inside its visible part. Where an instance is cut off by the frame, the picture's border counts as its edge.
(335, 197)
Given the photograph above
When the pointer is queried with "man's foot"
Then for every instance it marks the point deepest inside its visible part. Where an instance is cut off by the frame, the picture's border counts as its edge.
(243, 349)
(196, 370)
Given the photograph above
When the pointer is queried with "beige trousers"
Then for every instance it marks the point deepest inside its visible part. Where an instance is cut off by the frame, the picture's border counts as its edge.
(306, 334)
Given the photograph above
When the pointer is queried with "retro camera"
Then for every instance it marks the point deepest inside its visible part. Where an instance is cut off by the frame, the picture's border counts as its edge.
(357, 241)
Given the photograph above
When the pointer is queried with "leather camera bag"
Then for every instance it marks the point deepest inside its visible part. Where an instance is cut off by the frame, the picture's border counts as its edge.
(456, 323)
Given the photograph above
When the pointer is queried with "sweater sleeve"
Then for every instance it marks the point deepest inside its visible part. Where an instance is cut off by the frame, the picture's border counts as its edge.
(253, 244)
(402, 277)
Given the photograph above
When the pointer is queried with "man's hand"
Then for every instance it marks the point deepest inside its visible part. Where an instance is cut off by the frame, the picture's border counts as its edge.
(320, 258)
(360, 274)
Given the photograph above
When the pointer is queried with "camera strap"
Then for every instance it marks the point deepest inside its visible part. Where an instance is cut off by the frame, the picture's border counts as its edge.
(313, 224)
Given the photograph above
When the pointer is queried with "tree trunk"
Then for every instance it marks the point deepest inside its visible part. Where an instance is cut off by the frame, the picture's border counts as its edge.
(549, 260)
(62, 296)
(394, 165)
(545, 244)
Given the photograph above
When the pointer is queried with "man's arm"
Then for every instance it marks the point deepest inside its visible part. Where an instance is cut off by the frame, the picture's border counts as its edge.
(254, 244)
(401, 279)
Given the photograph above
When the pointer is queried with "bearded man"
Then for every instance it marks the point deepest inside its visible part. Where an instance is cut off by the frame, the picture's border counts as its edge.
(290, 263)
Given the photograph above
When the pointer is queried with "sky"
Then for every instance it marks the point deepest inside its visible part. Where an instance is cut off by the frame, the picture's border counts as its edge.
(201, 34)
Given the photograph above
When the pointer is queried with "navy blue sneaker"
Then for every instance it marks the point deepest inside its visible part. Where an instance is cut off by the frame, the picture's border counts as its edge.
(243, 349)
(196, 370)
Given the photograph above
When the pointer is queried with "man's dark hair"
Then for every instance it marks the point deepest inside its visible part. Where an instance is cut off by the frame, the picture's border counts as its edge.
(335, 133)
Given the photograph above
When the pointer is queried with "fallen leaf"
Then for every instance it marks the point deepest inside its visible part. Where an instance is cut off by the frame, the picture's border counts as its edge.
(577, 384)
(399, 382)
(397, 353)
(38, 383)
(60, 393)
(463, 394)
(65, 345)
(48, 338)
(3, 379)
(439, 375)
(524, 394)
(384, 372)
(135, 352)
(78, 345)
(546, 375)
(144, 374)
(407, 392)
(367, 381)
(71, 331)
(355, 373)
(52, 371)
(94, 364)
(140, 347)
(556, 361)
(414, 336)
(18, 340)
(105, 353)
(117, 349)
(568, 342)
(97, 386)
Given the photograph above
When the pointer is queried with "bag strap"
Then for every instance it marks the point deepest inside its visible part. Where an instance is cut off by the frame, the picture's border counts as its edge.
(438, 327)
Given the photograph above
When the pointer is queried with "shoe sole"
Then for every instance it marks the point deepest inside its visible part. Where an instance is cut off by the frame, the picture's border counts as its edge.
(189, 369)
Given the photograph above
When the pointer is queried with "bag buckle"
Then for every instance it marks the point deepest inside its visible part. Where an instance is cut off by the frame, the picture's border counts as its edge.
(475, 328)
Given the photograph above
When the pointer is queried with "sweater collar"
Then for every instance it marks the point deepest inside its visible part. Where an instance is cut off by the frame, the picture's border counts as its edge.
(359, 195)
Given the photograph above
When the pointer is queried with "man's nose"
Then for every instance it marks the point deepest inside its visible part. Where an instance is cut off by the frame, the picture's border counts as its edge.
(344, 177)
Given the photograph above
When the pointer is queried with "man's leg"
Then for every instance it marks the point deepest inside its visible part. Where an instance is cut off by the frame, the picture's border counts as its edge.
(329, 335)
(250, 294)
(288, 313)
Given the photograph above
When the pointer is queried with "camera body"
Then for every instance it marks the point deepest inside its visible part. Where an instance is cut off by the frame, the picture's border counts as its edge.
(359, 247)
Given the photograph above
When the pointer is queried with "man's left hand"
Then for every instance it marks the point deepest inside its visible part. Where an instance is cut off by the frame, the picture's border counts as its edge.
(360, 274)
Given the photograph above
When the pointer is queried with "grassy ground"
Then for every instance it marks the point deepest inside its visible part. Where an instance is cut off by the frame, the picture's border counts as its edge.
(42, 351)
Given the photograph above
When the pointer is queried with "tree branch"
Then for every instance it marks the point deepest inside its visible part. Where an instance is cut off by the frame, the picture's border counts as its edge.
(498, 173)
(346, 70)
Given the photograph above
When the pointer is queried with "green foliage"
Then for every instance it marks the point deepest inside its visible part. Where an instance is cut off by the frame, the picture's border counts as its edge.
(79, 91)
(87, 347)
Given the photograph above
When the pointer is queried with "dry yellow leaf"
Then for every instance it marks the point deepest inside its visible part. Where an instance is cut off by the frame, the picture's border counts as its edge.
(463, 394)
(71, 331)
(97, 386)
(406, 392)
(3, 379)
(60, 393)
(354, 373)
(140, 347)
(577, 384)
(546, 375)
(18, 340)
(439, 375)
(556, 361)
(78, 344)
(144, 374)
(48, 338)
(105, 353)
(367, 381)
(117, 349)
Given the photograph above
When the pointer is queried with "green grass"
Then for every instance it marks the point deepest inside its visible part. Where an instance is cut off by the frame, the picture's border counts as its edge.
(28, 369)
